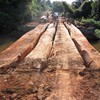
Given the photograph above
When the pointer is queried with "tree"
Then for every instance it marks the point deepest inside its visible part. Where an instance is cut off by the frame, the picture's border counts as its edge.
(57, 7)
(76, 4)
(96, 9)
(38, 1)
(13, 12)
(48, 3)
(67, 9)
(86, 8)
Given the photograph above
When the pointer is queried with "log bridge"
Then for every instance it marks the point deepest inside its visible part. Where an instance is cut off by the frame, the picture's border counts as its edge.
(50, 62)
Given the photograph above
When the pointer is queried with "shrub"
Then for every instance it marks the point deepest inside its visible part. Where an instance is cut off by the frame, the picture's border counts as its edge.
(77, 13)
(91, 22)
(97, 33)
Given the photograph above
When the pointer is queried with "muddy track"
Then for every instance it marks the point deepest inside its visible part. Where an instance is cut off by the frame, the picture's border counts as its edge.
(56, 68)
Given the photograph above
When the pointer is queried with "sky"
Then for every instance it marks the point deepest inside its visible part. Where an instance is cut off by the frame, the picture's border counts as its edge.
(68, 1)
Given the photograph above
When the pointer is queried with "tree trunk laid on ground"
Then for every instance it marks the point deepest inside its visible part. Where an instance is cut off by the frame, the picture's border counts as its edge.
(17, 51)
(90, 55)
(37, 59)
(68, 63)
(64, 50)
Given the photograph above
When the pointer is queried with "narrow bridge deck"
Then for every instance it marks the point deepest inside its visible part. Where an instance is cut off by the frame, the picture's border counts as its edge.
(51, 62)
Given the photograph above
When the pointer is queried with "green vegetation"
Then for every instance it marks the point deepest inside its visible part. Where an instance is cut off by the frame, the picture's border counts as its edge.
(15, 12)
(91, 22)
(83, 8)
(57, 7)
(96, 9)
(68, 10)
(85, 11)
(97, 33)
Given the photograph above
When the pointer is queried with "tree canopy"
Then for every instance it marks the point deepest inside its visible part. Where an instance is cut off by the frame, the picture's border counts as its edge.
(13, 12)
(57, 7)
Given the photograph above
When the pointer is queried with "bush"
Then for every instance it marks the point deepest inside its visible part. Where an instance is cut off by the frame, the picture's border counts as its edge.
(77, 13)
(97, 33)
(88, 21)
(91, 22)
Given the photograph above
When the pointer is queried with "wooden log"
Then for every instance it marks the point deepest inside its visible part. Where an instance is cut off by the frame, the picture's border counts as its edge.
(88, 61)
(18, 50)
(63, 87)
(37, 59)
(66, 59)
(65, 54)
(91, 56)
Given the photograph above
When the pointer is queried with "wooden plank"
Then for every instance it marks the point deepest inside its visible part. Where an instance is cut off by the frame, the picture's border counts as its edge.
(90, 55)
(66, 59)
(17, 51)
(37, 59)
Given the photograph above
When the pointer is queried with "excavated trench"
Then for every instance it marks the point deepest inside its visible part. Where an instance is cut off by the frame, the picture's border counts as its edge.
(53, 70)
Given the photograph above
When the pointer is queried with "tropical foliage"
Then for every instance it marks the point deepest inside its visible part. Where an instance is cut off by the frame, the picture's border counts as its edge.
(57, 7)
(14, 12)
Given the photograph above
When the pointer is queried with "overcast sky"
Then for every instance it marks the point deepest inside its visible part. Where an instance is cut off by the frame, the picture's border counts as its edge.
(68, 1)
